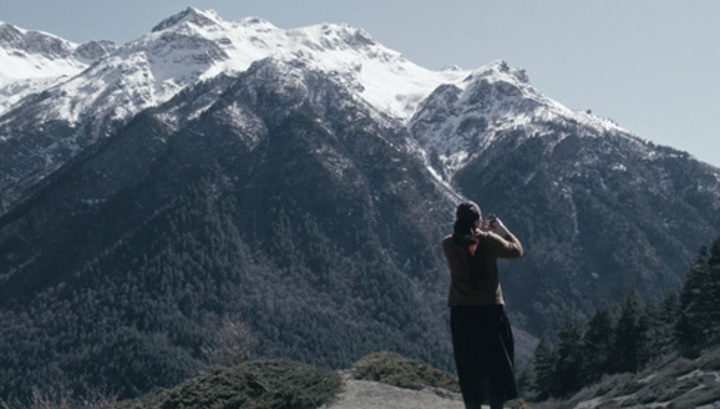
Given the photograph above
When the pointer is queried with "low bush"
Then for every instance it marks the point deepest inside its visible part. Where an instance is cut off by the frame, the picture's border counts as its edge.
(260, 384)
(396, 370)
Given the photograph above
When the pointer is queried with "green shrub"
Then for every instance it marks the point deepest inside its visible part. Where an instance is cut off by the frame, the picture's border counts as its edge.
(259, 384)
(396, 370)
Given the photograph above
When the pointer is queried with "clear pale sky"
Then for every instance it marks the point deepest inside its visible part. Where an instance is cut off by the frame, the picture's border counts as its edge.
(653, 66)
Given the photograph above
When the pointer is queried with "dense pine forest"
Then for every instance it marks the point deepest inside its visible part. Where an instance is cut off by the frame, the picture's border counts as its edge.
(165, 309)
(150, 311)
(628, 337)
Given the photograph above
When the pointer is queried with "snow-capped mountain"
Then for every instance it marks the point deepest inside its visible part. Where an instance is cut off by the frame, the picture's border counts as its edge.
(32, 61)
(81, 103)
(76, 95)
(460, 120)
(302, 178)
(196, 45)
(192, 46)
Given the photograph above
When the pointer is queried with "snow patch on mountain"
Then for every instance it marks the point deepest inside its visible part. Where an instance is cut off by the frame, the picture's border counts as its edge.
(32, 61)
(244, 124)
(196, 45)
(459, 120)
(381, 76)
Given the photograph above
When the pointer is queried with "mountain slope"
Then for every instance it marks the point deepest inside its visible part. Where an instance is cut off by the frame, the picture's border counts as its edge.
(305, 223)
(599, 209)
(679, 382)
(45, 130)
(33, 61)
(461, 120)
(301, 181)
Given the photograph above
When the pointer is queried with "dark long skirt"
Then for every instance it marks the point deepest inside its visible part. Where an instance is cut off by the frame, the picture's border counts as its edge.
(484, 354)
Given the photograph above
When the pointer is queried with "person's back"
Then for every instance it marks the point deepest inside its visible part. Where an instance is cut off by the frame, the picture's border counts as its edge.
(481, 287)
(482, 337)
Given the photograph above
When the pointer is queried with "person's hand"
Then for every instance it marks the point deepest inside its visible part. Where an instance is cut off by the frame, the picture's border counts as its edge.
(486, 225)
(493, 222)
(499, 227)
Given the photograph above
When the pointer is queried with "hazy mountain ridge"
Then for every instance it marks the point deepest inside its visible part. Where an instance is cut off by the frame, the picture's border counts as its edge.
(304, 186)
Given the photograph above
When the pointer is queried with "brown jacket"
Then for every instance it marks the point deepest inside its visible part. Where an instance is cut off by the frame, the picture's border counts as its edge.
(487, 291)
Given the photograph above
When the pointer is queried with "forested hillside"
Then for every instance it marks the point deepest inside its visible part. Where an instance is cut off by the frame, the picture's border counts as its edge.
(640, 333)
(144, 247)
(144, 311)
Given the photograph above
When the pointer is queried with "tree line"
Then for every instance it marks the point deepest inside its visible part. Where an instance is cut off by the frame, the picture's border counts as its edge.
(629, 336)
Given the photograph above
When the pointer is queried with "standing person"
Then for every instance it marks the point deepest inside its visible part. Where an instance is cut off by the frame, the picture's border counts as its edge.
(481, 333)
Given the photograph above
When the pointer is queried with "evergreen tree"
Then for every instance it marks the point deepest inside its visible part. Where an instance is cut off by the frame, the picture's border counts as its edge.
(662, 318)
(545, 365)
(598, 343)
(713, 293)
(631, 344)
(699, 321)
(689, 327)
(570, 362)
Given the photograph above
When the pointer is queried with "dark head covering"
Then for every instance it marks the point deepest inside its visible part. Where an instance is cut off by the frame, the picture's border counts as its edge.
(468, 211)
(464, 229)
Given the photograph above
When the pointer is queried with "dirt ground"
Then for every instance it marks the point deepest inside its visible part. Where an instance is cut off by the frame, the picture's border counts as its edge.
(374, 395)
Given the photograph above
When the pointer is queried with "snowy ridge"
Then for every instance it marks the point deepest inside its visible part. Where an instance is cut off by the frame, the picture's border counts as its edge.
(29, 54)
(197, 44)
(458, 121)
(89, 90)
(31, 61)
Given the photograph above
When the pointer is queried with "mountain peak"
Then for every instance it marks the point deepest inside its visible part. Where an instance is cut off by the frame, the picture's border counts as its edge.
(255, 21)
(32, 41)
(95, 50)
(499, 68)
(452, 68)
(190, 15)
(353, 35)
(9, 33)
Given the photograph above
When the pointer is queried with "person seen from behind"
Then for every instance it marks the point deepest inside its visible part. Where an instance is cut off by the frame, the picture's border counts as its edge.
(482, 338)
